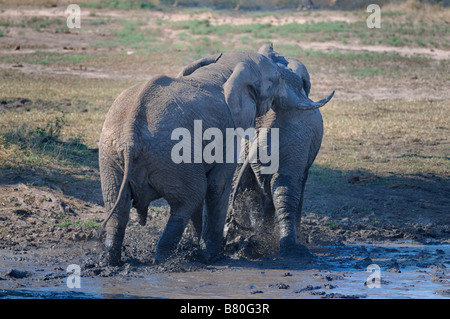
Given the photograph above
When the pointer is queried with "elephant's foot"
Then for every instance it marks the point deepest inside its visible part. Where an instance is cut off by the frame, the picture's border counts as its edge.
(210, 252)
(159, 259)
(206, 257)
(290, 249)
(169, 239)
(113, 255)
(161, 255)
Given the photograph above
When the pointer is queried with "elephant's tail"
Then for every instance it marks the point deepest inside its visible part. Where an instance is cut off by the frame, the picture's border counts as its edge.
(126, 173)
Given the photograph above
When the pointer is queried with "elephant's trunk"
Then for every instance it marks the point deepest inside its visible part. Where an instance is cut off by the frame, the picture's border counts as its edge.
(237, 184)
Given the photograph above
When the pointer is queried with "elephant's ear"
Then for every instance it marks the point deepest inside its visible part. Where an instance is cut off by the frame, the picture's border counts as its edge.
(267, 51)
(240, 94)
(299, 68)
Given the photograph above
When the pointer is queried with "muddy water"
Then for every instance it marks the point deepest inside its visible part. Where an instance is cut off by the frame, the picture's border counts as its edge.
(402, 270)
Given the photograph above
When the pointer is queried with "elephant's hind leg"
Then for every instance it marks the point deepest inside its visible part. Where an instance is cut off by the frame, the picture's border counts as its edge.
(167, 243)
(111, 179)
(184, 201)
(216, 204)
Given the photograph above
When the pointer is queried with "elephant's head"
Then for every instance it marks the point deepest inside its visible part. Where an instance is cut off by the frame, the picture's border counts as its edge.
(295, 83)
(251, 89)
(259, 82)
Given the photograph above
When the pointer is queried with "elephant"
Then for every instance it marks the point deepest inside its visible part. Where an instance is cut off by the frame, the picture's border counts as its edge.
(139, 147)
(281, 193)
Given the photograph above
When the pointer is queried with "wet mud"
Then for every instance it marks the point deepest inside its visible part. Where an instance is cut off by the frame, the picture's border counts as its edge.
(358, 271)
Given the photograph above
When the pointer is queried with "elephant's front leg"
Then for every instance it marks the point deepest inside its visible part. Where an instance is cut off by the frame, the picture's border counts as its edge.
(286, 200)
(286, 193)
(216, 206)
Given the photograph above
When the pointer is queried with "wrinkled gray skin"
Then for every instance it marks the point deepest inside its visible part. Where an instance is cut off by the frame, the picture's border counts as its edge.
(225, 91)
(300, 137)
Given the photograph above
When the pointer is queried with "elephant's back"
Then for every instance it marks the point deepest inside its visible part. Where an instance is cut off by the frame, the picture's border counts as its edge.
(184, 101)
(116, 129)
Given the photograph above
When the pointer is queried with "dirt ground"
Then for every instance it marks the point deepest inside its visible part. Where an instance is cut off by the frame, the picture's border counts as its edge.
(351, 218)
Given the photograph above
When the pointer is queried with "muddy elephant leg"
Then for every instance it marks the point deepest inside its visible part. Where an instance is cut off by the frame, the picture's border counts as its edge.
(285, 200)
(115, 232)
(111, 179)
(171, 236)
(172, 233)
(298, 216)
(302, 250)
(216, 206)
(184, 201)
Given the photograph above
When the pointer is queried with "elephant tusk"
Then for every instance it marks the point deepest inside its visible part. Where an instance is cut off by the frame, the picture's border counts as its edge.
(306, 104)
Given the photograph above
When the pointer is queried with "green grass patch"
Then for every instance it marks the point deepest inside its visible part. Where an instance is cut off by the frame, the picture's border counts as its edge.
(40, 144)
(90, 223)
(131, 35)
(51, 58)
(98, 21)
(37, 23)
(369, 71)
(258, 30)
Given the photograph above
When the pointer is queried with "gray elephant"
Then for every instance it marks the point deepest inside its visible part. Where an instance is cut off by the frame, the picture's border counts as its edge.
(300, 137)
(141, 137)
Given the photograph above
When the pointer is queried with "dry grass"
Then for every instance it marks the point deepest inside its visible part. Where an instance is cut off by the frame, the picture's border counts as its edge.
(420, 9)
(58, 129)
(385, 136)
